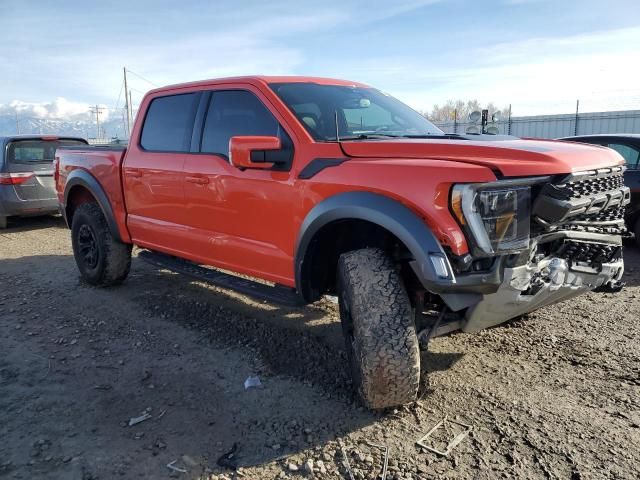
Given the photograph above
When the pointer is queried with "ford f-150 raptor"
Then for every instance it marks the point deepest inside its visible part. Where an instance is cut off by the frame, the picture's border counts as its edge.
(315, 186)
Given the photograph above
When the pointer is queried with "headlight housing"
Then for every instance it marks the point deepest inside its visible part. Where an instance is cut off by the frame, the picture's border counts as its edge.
(497, 218)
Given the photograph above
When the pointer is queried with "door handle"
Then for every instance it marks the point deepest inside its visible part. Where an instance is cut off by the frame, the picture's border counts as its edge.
(134, 172)
(197, 179)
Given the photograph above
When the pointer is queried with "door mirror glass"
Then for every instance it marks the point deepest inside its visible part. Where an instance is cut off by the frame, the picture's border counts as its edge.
(251, 151)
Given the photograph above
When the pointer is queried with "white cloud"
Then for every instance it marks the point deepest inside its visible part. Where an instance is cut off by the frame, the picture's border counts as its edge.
(537, 76)
(172, 45)
(60, 108)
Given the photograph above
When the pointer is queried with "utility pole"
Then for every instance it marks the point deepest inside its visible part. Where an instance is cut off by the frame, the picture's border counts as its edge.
(130, 108)
(17, 123)
(575, 124)
(127, 101)
(97, 110)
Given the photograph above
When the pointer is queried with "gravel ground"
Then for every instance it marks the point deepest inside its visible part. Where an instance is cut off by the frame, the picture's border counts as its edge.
(552, 395)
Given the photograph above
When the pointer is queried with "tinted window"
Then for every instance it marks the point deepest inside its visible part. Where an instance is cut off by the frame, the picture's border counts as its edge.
(169, 123)
(29, 151)
(234, 113)
(630, 154)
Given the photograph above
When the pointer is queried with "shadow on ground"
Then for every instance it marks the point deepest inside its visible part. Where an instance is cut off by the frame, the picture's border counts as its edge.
(165, 342)
(26, 224)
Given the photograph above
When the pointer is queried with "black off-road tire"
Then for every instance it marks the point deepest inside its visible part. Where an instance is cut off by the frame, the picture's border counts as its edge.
(102, 260)
(3, 223)
(636, 231)
(379, 330)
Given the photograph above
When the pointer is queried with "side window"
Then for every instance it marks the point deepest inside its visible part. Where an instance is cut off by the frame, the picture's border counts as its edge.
(232, 113)
(630, 154)
(169, 123)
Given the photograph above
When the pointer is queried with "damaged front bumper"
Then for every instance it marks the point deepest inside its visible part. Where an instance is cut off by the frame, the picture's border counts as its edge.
(575, 246)
(528, 287)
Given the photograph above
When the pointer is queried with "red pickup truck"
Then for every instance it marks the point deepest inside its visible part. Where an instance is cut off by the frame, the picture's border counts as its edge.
(314, 186)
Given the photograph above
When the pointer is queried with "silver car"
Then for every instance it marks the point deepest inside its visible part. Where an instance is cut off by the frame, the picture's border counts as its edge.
(26, 174)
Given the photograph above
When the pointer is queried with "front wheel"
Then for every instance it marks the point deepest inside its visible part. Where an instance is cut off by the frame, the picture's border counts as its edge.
(102, 260)
(380, 334)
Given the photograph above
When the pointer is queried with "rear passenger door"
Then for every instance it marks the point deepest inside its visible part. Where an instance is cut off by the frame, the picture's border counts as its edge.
(153, 172)
(241, 220)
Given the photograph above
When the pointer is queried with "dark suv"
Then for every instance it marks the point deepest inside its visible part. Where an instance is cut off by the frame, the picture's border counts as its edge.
(627, 145)
(26, 175)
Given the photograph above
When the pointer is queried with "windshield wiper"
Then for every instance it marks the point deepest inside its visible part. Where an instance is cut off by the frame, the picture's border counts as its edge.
(368, 136)
(433, 135)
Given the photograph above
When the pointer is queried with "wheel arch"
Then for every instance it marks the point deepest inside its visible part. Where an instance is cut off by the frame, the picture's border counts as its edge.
(82, 187)
(374, 214)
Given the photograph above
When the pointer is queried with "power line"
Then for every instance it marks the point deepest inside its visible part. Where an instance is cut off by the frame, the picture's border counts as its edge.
(142, 78)
(137, 91)
(119, 95)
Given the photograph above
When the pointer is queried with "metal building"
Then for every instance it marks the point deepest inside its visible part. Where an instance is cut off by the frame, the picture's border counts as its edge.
(554, 126)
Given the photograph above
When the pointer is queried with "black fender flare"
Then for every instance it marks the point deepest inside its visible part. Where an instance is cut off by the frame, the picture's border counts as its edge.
(83, 178)
(388, 213)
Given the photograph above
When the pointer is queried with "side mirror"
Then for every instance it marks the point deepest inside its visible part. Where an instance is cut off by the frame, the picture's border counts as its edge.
(249, 151)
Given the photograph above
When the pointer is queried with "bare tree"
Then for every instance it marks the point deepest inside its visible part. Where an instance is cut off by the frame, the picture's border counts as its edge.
(461, 109)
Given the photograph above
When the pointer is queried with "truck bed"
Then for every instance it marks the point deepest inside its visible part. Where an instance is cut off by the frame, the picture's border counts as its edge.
(98, 162)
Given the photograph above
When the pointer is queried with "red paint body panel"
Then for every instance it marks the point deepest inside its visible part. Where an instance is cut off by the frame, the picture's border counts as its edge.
(200, 207)
(105, 167)
(514, 158)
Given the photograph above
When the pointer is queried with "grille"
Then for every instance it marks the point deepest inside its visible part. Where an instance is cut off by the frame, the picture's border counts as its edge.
(591, 186)
(591, 253)
(608, 215)
(593, 201)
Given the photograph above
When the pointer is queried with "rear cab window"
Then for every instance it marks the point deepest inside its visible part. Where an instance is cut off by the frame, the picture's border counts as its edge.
(168, 124)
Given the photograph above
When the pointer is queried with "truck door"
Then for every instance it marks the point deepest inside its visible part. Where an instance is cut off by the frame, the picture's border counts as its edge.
(242, 220)
(153, 172)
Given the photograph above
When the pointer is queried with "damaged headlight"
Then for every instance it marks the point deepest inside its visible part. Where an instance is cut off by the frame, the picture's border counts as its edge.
(497, 218)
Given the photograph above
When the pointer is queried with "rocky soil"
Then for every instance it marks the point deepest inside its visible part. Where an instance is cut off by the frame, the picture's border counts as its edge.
(552, 395)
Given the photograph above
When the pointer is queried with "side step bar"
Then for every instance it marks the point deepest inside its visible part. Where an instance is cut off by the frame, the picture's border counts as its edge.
(275, 294)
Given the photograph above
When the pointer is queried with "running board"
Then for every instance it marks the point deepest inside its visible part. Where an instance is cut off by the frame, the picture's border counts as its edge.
(259, 291)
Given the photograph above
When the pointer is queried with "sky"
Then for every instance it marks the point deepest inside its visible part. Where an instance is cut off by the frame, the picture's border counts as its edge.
(59, 57)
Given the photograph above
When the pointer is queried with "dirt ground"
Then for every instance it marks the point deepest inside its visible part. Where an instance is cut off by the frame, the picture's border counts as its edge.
(552, 395)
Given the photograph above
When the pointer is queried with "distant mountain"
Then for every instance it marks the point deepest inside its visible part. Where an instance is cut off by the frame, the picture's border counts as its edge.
(77, 127)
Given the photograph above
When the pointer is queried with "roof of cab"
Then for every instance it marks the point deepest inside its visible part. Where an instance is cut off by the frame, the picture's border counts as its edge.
(255, 79)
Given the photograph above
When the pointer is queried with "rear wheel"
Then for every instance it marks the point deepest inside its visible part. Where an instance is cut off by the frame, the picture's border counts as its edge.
(380, 334)
(101, 259)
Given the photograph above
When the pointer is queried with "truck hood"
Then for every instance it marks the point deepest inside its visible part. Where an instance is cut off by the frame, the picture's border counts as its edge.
(512, 157)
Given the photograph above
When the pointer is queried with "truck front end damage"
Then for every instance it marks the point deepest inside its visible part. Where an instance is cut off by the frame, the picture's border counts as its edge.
(536, 241)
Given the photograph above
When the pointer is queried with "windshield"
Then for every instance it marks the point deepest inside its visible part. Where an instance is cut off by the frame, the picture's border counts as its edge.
(361, 113)
(28, 151)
